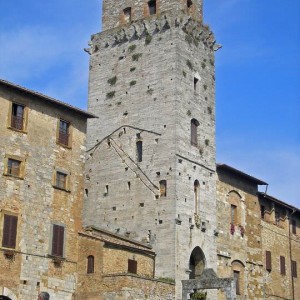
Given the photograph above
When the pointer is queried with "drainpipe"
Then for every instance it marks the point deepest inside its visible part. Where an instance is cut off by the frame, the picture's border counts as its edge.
(290, 244)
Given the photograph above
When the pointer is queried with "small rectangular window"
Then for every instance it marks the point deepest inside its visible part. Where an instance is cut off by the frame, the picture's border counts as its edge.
(194, 132)
(13, 167)
(9, 231)
(294, 226)
(17, 116)
(61, 180)
(294, 269)
(64, 133)
(152, 7)
(277, 216)
(236, 275)
(189, 3)
(132, 266)
(90, 264)
(268, 261)
(58, 240)
(282, 265)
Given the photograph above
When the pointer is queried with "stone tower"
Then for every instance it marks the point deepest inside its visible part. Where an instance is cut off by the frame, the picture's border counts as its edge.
(150, 171)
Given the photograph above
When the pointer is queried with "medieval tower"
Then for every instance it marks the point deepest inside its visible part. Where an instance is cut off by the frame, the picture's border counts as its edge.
(150, 172)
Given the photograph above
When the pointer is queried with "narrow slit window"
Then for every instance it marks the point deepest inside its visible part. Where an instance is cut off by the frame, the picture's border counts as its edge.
(268, 261)
(294, 269)
(282, 265)
(163, 188)
(17, 116)
(152, 7)
(262, 212)
(294, 226)
(196, 80)
(196, 195)
(139, 151)
(194, 132)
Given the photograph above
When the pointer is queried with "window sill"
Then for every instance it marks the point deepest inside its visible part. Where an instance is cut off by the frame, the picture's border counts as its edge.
(63, 145)
(18, 130)
(61, 189)
(13, 176)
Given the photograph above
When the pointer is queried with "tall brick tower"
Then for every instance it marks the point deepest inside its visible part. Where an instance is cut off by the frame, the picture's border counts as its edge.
(151, 161)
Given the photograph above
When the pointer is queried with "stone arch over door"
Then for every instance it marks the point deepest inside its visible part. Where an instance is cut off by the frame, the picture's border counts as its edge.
(7, 294)
(196, 263)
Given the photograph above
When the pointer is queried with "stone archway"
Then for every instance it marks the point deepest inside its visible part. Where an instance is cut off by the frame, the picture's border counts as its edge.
(196, 263)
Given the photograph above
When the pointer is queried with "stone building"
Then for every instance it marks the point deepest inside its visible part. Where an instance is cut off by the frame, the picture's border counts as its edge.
(43, 244)
(42, 154)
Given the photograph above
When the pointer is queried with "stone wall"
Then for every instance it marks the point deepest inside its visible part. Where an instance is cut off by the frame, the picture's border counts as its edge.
(33, 198)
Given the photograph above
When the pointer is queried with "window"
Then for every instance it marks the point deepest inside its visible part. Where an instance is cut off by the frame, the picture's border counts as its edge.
(233, 216)
(17, 116)
(13, 167)
(277, 216)
(196, 80)
(61, 180)
(294, 269)
(294, 226)
(58, 240)
(194, 133)
(196, 192)
(262, 212)
(132, 266)
(90, 264)
(9, 231)
(64, 133)
(127, 14)
(282, 265)
(268, 261)
(189, 3)
(139, 151)
(163, 188)
(236, 275)
(152, 7)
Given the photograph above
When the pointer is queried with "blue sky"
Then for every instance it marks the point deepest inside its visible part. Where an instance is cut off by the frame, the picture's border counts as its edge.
(257, 74)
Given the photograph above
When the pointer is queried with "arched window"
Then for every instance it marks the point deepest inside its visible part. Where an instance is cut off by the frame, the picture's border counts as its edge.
(234, 200)
(90, 264)
(196, 195)
(196, 263)
(194, 132)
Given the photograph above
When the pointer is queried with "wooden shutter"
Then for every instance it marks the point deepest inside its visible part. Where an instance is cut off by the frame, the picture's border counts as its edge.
(268, 261)
(282, 265)
(9, 231)
(132, 266)
(58, 240)
(294, 269)
(90, 264)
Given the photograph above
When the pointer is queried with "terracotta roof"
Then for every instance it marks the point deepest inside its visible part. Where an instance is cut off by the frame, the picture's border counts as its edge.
(47, 98)
(229, 169)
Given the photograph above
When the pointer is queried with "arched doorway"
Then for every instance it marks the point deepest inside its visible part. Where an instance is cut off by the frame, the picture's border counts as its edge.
(4, 298)
(196, 263)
